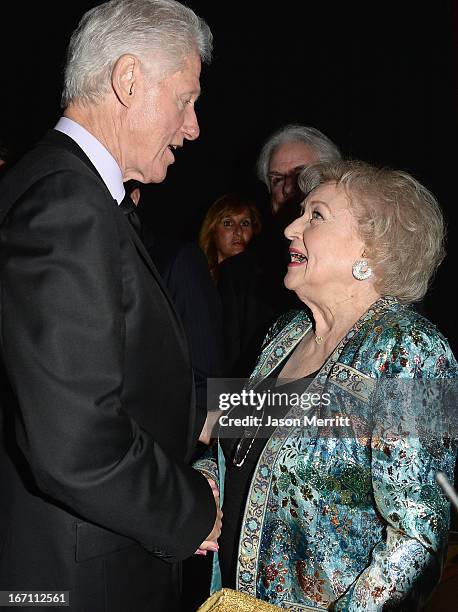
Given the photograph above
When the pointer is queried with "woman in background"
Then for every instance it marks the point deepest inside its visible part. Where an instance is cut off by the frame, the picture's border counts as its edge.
(227, 229)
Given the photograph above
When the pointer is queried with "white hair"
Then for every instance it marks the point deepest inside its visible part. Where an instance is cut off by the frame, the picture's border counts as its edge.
(399, 221)
(320, 144)
(161, 33)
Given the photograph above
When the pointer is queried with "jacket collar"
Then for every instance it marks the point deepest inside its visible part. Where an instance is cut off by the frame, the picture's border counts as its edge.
(283, 343)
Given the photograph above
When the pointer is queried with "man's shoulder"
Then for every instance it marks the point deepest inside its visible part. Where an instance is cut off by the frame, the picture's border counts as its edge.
(52, 179)
(58, 151)
(48, 160)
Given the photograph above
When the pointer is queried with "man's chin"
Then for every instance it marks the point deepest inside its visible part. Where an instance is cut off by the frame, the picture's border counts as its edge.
(159, 175)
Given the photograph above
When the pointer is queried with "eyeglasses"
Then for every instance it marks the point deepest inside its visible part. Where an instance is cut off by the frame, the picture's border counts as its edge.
(277, 179)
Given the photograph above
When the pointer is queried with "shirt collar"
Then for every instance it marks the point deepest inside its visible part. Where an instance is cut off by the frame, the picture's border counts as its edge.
(102, 159)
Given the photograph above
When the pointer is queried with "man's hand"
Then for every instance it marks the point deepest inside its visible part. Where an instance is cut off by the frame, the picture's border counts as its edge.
(210, 543)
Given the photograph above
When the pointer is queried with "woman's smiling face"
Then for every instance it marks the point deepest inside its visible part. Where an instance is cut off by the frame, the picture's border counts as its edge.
(324, 245)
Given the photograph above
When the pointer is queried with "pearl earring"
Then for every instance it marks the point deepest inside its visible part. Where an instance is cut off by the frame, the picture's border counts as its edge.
(361, 269)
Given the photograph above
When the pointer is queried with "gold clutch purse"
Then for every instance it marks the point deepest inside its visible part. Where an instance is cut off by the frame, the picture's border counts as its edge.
(227, 600)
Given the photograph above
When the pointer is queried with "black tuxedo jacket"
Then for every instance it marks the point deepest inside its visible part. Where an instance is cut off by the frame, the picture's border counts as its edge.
(97, 416)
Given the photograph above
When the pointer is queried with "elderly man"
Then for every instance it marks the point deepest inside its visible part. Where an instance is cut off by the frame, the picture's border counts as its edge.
(97, 414)
(288, 151)
(251, 284)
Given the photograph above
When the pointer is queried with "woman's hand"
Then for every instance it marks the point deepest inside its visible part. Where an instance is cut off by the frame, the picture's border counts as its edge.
(210, 543)
(209, 425)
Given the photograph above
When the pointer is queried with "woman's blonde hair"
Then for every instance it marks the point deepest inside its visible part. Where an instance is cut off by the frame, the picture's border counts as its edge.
(230, 203)
(399, 221)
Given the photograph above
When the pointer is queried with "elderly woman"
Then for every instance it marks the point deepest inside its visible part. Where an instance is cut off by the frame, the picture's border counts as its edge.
(227, 229)
(348, 518)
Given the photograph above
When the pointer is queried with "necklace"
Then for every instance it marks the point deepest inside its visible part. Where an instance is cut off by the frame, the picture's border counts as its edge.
(238, 462)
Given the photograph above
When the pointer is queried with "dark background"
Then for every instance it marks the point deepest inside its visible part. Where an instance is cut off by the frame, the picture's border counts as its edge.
(379, 78)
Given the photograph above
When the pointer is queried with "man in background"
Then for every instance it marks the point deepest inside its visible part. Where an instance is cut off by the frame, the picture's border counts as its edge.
(251, 284)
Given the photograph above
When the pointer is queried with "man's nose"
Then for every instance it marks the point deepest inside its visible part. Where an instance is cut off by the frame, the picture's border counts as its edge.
(191, 128)
(289, 186)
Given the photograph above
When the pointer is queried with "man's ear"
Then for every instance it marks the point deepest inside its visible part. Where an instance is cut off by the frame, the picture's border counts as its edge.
(124, 78)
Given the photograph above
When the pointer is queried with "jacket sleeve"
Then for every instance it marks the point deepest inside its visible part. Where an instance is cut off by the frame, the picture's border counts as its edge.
(62, 341)
(412, 440)
(208, 466)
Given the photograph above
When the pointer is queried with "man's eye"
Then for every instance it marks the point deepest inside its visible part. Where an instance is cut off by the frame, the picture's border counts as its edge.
(316, 215)
(275, 180)
(246, 223)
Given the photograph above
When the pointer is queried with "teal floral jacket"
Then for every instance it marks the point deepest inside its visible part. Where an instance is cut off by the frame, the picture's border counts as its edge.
(353, 519)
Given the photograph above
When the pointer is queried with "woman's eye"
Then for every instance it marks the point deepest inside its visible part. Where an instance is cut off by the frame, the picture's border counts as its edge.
(316, 215)
(227, 222)
(246, 223)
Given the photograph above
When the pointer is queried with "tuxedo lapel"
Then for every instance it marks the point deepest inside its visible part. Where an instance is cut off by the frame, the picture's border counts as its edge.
(145, 256)
(149, 262)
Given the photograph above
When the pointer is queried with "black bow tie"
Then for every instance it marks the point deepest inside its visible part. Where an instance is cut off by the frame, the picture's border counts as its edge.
(128, 208)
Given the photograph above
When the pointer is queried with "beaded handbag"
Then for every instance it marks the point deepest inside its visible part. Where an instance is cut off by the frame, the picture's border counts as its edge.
(228, 600)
